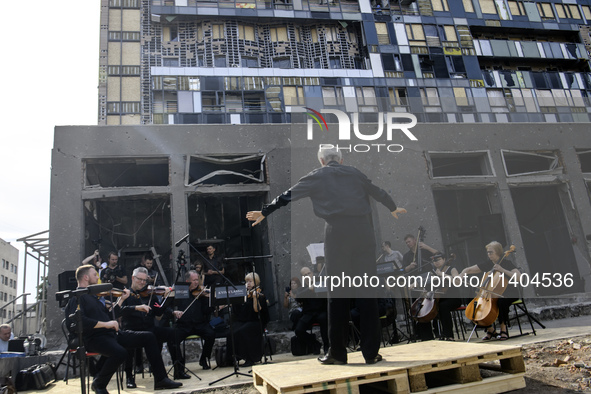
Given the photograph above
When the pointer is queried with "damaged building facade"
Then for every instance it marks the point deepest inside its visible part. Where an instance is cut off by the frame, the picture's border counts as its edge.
(199, 100)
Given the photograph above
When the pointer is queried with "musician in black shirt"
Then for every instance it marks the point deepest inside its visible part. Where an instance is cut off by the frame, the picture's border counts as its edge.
(212, 262)
(340, 195)
(496, 263)
(193, 319)
(409, 261)
(114, 273)
(101, 334)
(138, 313)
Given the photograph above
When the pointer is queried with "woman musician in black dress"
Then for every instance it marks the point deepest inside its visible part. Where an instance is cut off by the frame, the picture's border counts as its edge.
(495, 254)
(450, 299)
(249, 321)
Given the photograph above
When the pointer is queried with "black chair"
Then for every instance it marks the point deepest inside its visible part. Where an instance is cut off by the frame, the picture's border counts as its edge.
(520, 310)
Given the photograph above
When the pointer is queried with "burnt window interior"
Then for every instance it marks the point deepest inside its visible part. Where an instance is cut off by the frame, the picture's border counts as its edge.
(221, 221)
(226, 170)
(467, 223)
(129, 226)
(450, 164)
(585, 160)
(521, 163)
(126, 172)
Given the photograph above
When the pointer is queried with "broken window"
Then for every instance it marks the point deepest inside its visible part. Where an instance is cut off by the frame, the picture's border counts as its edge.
(223, 170)
(453, 164)
(585, 160)
(126, 172)
(130, 225)
(523, 163)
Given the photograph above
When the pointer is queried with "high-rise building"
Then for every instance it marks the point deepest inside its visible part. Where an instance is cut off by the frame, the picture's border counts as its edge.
(253, 61)
(8, 279)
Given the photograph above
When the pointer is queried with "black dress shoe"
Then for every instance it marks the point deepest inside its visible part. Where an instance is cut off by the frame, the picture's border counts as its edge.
(131, 383)
(328, 359)
(98, 390)
(204, 364)
(167, 384)
(374, 360)
(181, 375)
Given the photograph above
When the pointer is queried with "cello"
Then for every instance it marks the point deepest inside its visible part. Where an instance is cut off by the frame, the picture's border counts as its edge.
(483, 309)
(426, 307)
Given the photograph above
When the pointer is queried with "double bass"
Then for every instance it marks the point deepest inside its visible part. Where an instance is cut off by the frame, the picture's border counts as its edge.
(483, 309)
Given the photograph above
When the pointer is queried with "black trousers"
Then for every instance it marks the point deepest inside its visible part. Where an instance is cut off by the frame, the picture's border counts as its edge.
(163, 334)
(204, 330)
(114, 347)
(349, 248)
(446, 306)
(305, 323)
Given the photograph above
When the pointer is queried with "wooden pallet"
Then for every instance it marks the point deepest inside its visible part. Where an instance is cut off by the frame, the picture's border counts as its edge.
(426, 367)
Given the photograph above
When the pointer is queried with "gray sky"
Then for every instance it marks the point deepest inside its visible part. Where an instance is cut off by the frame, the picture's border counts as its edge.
(49, 70)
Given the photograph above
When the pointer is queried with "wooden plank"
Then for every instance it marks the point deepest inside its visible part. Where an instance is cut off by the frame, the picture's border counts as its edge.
(493, 385)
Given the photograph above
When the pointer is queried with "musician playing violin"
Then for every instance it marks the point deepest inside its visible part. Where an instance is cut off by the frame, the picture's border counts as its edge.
(101, 334)
(495, 253)
(138, 314)
(450, 299)
(193, 319)
(248, 327)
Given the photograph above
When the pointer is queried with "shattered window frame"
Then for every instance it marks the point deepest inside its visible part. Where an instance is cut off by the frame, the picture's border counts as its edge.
(226, 160)
(484, 156)
(93, 164)
(555, 164)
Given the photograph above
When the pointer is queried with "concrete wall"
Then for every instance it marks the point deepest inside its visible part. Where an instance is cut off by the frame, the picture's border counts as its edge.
(405, 175)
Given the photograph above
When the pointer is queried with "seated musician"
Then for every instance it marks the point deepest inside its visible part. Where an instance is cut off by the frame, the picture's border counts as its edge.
(193, 319)
(138, 314)
(314, 310)
(495, 253)
(450, 300)
(101, 335)
(290, 302)
(249, 321)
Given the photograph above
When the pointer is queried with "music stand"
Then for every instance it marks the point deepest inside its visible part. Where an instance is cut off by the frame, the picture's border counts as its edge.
(181, 292)
(228, 302)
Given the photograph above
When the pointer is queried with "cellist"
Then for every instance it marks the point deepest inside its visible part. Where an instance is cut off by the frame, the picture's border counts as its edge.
(495, 253)
(450, 300)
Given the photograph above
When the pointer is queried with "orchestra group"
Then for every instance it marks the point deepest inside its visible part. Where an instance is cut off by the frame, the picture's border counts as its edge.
(140, 314)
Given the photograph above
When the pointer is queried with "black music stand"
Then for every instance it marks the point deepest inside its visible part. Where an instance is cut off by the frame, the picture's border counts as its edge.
(227, 286)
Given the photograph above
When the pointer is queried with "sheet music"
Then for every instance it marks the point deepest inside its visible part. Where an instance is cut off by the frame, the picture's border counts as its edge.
(315, 250)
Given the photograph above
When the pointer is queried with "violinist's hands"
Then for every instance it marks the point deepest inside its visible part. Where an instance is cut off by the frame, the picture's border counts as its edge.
(143, 308)
(125, 295)
(397, 212)
(411, 266)
(438, 272)
(256, 217)
(178, 314)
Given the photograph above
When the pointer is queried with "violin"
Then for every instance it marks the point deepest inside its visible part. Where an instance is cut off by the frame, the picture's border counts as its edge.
(155, 290)
(113, 292)
(251, 292)
(200, 291)
(483, 309)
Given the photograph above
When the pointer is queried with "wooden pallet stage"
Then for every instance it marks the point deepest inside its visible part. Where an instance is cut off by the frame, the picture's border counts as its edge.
(426, 367)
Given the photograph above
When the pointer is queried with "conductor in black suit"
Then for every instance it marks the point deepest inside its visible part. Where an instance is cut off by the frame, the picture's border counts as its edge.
(340, 195)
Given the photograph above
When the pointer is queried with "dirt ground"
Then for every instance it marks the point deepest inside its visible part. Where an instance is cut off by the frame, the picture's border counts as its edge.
(560, 366)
